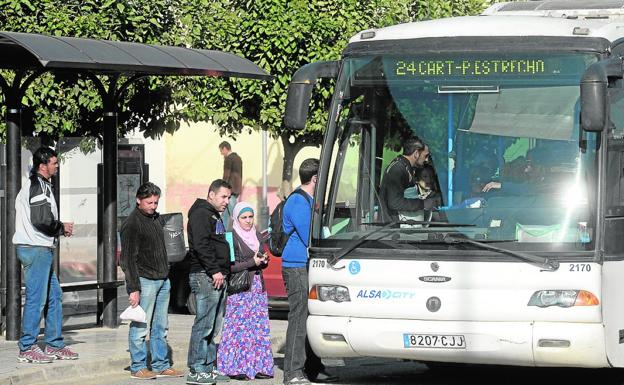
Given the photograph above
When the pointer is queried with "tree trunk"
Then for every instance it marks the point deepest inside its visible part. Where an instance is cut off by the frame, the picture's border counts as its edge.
(291, 150)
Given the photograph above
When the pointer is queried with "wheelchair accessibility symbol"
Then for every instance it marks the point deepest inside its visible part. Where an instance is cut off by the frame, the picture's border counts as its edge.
(354, 267)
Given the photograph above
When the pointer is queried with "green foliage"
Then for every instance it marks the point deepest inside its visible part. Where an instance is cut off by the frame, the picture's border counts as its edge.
(73, 107)
(437, 9)
(278, 35)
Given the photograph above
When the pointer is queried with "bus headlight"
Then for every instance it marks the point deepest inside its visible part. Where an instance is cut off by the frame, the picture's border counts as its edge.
(334, 293)
(563, 298)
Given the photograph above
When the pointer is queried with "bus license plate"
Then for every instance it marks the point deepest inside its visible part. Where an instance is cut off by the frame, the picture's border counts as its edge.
(443, 341)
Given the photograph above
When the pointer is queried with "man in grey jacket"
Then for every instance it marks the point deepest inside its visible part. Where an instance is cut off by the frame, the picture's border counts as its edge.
(37, 229)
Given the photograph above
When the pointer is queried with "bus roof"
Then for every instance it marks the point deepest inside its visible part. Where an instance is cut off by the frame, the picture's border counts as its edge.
(586, 18)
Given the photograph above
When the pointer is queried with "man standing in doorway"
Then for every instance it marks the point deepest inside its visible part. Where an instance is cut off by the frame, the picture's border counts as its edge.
(233, 174)
(37, 229)
(300, 362)
(145, 265)
(399, 175)
(210, 266)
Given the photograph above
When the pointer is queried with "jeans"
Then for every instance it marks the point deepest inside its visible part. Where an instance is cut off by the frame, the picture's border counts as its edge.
(42, 292)
(202, 353)
(229, 210)
(299, 359)
(154, 299)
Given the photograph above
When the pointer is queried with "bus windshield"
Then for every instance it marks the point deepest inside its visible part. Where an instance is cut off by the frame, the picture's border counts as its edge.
(508, 162)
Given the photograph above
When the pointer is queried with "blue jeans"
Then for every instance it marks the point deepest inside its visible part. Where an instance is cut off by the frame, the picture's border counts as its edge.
(155, 301)
(42, 291)
(202, 354)
(299, 359)
(229, 210)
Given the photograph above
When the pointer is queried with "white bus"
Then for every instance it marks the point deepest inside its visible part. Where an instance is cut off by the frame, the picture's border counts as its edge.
(527, 98)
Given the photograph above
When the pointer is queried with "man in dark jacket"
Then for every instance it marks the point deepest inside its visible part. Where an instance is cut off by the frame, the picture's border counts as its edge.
(145, 265)
(233, 174)
(210, 266)
(399, 175)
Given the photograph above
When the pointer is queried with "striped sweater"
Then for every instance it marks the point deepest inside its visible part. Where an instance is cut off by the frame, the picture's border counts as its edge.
(36, 214)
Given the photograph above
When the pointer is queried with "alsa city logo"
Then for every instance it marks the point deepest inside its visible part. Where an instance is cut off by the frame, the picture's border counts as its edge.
(386, 294)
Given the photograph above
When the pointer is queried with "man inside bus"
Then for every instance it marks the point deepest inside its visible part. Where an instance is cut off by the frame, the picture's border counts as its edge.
(399, 176)
(520, 176)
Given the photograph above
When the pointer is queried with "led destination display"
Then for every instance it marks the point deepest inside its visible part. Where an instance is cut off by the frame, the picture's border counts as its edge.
(472, 68)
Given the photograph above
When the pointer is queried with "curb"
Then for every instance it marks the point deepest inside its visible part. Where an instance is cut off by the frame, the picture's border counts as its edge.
(80, 371)
(55, 373)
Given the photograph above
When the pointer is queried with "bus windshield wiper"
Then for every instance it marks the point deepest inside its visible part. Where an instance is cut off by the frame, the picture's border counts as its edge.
(413, 222)
(356, 242)
(541, 262)
(385, 226)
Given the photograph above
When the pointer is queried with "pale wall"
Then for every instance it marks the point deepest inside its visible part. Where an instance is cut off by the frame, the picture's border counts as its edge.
(192, 162)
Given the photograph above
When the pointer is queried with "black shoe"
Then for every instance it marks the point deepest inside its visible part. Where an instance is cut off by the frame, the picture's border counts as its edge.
(239, 377)
(324, 377)
(262, 376)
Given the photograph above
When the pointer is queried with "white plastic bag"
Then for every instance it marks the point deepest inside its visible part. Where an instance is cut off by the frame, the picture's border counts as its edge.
(136, 314)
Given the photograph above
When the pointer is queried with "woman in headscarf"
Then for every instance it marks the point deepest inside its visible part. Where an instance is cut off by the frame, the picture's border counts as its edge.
(245, 347)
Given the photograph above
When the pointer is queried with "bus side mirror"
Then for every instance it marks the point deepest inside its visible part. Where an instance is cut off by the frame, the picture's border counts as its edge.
(594, 100)
(300, 91)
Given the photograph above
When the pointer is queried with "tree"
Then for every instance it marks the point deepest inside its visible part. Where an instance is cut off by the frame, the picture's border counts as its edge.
(58, 104)
(437, 9)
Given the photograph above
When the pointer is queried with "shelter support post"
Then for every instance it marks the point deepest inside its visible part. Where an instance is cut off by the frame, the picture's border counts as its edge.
(264, 207)
(13, 185)
(109, 295)
(3, 238)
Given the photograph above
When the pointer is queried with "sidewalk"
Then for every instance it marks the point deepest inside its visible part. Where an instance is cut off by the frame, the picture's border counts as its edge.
(102, 351)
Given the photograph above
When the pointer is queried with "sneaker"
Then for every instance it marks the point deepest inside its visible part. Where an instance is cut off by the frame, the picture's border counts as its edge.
(298, 381)
(34, 355)
(218, 376)
(63, 353)
(143, 374)
(170, 372)
(200, 378)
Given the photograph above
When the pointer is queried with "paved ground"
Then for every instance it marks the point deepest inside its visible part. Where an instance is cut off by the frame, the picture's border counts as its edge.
(103, 353)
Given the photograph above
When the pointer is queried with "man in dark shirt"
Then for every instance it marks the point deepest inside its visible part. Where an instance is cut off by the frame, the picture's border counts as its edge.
(233, 174)
(144, 262)
(210, 266)
(399, 175)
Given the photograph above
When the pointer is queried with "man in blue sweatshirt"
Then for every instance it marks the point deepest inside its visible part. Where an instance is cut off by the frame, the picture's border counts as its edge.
(300, 362)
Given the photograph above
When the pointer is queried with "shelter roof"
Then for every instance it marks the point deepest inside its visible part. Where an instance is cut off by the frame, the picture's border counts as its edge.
(35, 51)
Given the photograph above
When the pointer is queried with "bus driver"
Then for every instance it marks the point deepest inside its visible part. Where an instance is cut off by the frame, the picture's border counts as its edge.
(399, 175)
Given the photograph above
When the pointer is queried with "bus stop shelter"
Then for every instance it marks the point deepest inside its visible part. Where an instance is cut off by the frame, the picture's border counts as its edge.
(112, 66)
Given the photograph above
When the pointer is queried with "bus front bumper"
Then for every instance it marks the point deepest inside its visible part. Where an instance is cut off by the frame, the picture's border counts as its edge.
(502, 343)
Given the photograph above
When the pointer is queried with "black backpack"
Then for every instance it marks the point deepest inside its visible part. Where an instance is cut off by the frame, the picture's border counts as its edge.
(279, 237)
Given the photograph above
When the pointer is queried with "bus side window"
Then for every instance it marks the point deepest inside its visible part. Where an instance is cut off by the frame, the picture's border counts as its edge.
(615, 161)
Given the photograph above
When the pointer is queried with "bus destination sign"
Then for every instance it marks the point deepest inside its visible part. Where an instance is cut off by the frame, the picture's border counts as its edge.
(470, 67)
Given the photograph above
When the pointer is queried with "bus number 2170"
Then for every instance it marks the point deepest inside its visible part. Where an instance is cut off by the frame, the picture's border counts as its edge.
(580, 267)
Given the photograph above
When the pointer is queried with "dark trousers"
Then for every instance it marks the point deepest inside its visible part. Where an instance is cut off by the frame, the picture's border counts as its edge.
(299, 359)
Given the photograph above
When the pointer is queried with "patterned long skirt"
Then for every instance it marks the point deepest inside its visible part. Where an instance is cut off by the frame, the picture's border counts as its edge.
(245, 346)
